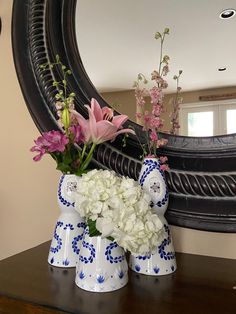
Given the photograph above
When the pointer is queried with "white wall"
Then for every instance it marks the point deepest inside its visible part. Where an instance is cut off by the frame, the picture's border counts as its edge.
(28, 208)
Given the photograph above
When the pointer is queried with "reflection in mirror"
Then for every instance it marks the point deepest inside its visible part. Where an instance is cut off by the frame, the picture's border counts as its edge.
(119, 44)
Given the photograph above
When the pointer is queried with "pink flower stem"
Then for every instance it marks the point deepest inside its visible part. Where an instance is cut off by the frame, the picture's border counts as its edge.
(83, 151)
(88, 159)
(175, 109)
(162, 40)
(155, 149)
(148, 142)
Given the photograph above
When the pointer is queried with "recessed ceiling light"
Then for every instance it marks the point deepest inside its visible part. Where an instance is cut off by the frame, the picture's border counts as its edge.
(227, 13)
(221, 69)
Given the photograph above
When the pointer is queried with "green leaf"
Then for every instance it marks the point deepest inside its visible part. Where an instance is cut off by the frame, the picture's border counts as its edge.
(64, 168)
(110, 238)
(93, 232)
(67, 158)
(80, 172)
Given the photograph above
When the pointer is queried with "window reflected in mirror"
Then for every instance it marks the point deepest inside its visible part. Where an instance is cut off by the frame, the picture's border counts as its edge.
(207, 119)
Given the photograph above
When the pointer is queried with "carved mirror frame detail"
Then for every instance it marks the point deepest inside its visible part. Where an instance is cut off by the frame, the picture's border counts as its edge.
(202, 176)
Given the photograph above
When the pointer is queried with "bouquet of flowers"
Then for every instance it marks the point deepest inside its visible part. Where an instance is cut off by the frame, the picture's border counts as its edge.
(114, 207)
(152, 121)
(117, 208)
(72, 147)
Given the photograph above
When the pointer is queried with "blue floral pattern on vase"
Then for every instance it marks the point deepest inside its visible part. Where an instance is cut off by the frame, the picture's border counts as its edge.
(76, 240)
(153, 165)
(92, 251)
(161, 248)
(81, 275)
(100, 279)
(69, 226)
(66, 262)
(108, 253)
(57, 238)
(70, 188)
(137, 268)
(156, 269)
(121, 274)
(144, 257)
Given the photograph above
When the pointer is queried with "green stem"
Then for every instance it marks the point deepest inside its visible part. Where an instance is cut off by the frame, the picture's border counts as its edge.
(88, 158)
(155, 149)
(175, 111)
(160, 63)
(64, 84)
(83, 151)
(148, 143)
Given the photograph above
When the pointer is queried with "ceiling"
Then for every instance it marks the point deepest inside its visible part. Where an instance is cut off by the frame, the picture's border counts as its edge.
(116, 41)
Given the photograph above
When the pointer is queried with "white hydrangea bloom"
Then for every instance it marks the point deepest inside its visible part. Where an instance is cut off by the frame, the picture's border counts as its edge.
(121, 210)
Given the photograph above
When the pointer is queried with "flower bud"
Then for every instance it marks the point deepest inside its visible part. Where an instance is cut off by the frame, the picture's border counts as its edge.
(65, 118)
(166, 31)
(59, 105)
(166, 59)
(157, 35)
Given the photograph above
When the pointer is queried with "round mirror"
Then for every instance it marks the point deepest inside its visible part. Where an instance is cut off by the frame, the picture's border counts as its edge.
(202, 176)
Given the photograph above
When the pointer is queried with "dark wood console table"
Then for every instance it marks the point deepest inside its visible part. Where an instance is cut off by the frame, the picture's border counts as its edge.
(201, 285)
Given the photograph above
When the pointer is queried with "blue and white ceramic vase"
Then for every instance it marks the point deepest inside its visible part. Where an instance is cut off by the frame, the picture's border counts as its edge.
(162, 262)
(101, 266)
(69, 229)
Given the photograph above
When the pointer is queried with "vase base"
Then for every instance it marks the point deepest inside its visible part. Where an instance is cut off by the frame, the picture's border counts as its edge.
(154, 266)
(61, 264)
(96, 287)
(158, 272)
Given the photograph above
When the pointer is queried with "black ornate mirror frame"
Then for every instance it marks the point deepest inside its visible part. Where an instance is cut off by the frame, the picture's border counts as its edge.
(202, 179)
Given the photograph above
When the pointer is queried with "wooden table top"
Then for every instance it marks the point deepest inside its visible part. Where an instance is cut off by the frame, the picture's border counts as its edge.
(28, 284)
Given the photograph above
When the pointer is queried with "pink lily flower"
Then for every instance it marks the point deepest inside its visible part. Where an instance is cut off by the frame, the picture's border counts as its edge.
(101, 126)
